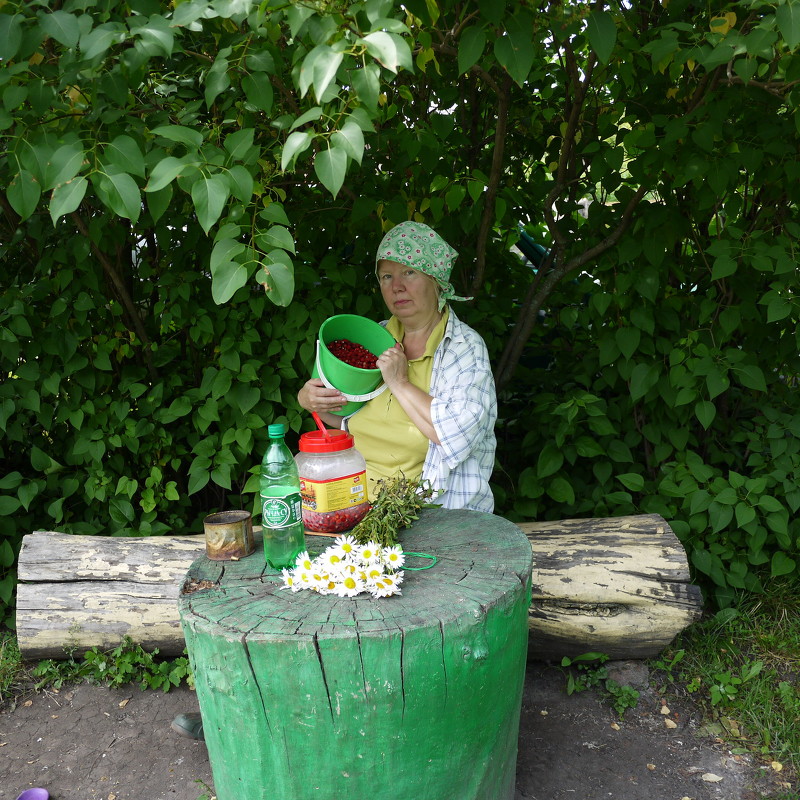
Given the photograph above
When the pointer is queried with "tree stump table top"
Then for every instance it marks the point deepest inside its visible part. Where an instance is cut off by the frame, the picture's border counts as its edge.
(480, 559)
(418, 695)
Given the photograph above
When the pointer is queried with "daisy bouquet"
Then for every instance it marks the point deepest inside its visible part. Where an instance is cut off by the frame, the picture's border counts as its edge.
(347, 569)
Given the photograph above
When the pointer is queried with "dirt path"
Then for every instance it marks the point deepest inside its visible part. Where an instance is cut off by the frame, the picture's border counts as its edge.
(93, 743)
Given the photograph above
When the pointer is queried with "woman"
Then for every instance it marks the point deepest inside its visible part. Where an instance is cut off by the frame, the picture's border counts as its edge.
(436, 419)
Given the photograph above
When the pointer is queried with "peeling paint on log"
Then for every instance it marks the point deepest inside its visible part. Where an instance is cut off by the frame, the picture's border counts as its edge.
(619, 586)
(306, 696)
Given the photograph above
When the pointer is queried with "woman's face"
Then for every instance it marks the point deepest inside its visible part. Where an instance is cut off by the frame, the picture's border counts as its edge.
(408, 294)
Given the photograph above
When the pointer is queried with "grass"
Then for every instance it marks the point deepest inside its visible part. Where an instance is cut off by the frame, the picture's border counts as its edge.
(743, 666)
(14, 675)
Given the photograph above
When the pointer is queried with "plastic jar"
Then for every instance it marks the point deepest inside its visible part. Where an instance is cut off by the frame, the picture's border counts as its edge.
(333, 481)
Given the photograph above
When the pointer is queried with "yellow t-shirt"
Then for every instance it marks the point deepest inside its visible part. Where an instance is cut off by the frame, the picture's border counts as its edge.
(383, 433)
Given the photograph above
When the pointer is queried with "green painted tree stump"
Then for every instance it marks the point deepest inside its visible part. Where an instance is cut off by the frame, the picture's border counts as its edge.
(418, 695)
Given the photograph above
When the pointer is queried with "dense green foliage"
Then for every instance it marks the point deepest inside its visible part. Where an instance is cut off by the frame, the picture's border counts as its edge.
(190, 191)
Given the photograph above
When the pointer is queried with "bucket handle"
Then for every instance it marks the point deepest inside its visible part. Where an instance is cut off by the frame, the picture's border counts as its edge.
(352, 398)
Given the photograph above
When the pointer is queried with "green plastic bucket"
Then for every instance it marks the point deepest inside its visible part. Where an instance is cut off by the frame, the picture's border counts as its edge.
(356, 384)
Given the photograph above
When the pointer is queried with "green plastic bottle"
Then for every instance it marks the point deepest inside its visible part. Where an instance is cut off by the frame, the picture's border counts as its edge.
(281, 508)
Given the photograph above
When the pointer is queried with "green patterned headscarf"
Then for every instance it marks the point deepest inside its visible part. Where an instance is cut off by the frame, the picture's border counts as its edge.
(421, 248)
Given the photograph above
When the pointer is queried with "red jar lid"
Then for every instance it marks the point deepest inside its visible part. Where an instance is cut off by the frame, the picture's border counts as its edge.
(316, 441)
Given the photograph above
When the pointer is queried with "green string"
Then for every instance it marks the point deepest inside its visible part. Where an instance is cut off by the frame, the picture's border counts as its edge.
(420, 555)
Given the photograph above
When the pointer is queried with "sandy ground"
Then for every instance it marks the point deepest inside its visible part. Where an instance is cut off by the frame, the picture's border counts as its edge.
(88, 742)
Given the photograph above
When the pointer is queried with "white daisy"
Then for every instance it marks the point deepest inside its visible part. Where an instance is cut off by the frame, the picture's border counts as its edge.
(393, 557)
(369, 553)
(386, 586)
(304, 560)
(347, 544)
(349, 587)
(289, 581)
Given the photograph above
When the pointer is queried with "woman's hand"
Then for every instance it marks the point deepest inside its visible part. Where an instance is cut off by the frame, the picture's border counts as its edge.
(393, 365)
(316, 396)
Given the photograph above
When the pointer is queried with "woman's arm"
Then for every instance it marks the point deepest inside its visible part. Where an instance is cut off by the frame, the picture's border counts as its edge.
(415, 402)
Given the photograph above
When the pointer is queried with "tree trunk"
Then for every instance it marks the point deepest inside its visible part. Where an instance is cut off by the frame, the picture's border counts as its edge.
(619, 586)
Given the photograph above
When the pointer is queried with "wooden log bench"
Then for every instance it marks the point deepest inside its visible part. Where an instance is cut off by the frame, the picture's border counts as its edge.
(620, 586)
(306, 695)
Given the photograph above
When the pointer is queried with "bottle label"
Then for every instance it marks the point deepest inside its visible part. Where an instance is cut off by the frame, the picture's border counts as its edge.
(281, 512)
(335, 494)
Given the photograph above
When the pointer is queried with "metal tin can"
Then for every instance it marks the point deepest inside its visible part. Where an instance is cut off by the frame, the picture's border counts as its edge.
(229, 535)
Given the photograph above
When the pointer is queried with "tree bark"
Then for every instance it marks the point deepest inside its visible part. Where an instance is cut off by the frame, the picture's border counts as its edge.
(619, 586)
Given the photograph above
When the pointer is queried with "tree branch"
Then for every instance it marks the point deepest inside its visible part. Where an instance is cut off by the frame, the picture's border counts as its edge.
(122, 293)
(535, 297)
(495, 174)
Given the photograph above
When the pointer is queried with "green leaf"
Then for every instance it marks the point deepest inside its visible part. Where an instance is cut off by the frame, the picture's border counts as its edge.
(716, 383)
(366, 84)
(209, 195)
(228, 278)
(121, 194)
(124, 152)
(240, 183)
(319, 69)
(723, 267)
(97, 41)
(628, 340)
(63, 165)
(778, 309)
(781, 563)
(602, 34)
(156, 35)
(240, 143)
(277, 277)
(752, 377)
(770, 504)
(632, 481)
(275, 213)
(550, 460)
(514, 50)
(24, 193)
(745, 514)
(180, 133)
(197, 481)
(705, 412)
(67, 197)
(61, 26)
(296, 143)
(560, 489)
(158, 202)
(312, 115)
(470, 47)
(643, 378)
(390, 50)
(166, 170)
(8, 505)
(788, 18)
(330, 166)
(10, 35)
(276, 236)
(351, 139)
(258, 89)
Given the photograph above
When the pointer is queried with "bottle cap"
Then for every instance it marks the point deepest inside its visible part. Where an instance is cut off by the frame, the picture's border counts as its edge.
(276, 431)
(318, 442)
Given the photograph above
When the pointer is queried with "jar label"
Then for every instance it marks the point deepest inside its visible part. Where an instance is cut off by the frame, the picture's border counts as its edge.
(334, 494)
(281, 512)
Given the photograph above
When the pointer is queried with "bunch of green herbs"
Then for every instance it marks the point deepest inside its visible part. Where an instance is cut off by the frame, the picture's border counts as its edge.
(396, 505)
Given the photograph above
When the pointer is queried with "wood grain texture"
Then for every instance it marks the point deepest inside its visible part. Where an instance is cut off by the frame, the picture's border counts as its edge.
(620, 586)
(308, 696)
